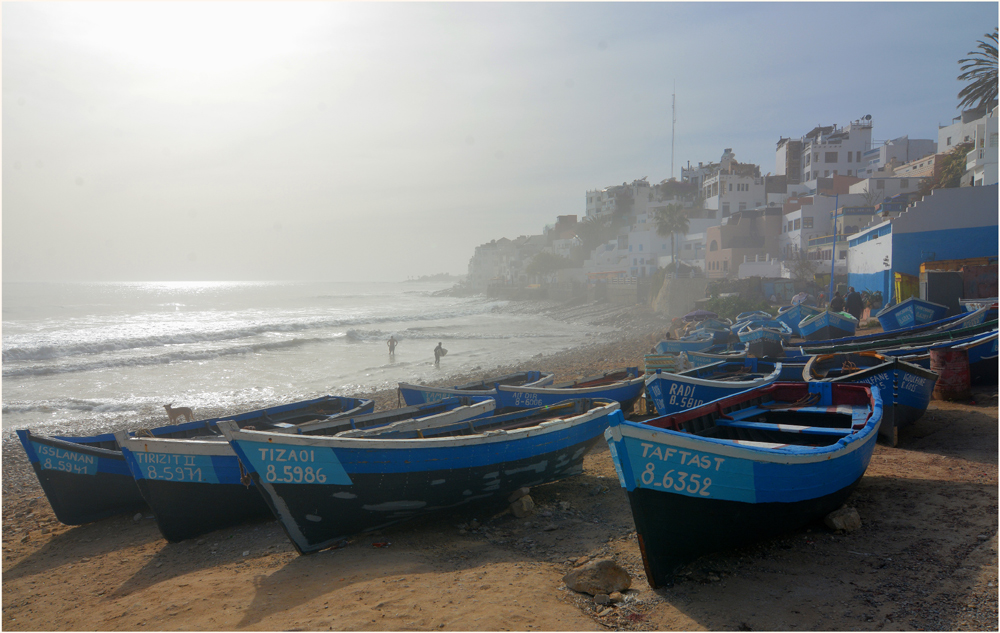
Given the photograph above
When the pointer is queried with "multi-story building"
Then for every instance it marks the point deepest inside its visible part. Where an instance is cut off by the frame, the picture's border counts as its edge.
(981, 161)
(898, 151)
(962, 129)
(824, 152)
(875, 190)
(744, 235)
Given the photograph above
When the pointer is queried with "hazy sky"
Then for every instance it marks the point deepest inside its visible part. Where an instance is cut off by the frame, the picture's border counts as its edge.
(380, 141)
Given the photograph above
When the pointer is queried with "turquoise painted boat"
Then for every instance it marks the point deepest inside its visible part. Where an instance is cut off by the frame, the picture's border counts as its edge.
(911, 312)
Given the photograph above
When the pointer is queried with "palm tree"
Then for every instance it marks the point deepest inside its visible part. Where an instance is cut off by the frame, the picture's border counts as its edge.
(981, 69)
(669, 221)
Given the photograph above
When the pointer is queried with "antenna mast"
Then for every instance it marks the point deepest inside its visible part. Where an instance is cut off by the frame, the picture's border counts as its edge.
(673, 124)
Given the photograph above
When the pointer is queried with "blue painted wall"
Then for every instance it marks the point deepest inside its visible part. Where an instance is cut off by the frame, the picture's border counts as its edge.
(945, 244)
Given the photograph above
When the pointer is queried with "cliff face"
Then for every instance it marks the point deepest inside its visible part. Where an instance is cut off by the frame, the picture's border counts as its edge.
(677, 296)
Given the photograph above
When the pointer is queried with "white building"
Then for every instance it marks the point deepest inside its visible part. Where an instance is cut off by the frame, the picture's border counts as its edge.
(898, 151)
(962, 129)
(981, 161)
(877, 189)
(825, 151)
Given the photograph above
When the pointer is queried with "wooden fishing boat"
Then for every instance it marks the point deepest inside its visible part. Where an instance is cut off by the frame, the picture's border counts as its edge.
(673, 392)
(906, 388)
(87, 478)
(765, 339)
(692, 343)
(323, 489)
(827, 325)
(195, 486)
(743, 468)
(912, 311)
(920, 339)
(981, 348)
(624, 386)
(419, 394)
(793, 315)
(962, 322)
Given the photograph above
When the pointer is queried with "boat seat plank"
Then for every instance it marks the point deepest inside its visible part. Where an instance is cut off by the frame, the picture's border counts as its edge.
(785, 428)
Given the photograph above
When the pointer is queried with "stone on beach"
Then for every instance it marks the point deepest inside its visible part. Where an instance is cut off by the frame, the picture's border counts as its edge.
(598, 577)
(523, 507)
(846, 519)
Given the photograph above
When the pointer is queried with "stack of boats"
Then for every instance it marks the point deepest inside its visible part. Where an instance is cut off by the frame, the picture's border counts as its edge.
(742, 445)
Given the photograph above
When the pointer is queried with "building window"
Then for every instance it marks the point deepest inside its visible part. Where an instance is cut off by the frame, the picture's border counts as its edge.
(743, 206)
(807, 159)
(826, 173)
(807, 223)
(880, 184)
(858, 156)
(713, 246)
(843, 254)
(948, 141)
(796, 225)
(849, 173)
(725, 264)
(904, 182)
(725, 209)
(730, 186)
(831, 157)
(848, 157)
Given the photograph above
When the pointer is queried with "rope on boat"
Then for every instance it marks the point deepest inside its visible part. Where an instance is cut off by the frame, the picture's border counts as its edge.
(849, 366)
(805, 401)
(244, 475)
(144, 433)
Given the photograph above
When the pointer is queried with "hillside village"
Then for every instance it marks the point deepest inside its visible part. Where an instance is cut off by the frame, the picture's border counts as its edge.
(837, 200)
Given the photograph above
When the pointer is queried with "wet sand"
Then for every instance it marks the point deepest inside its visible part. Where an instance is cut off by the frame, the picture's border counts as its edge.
(924, 558)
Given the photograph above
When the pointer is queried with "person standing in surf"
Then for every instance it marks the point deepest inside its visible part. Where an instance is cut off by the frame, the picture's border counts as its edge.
(438, 353)
(392, 345)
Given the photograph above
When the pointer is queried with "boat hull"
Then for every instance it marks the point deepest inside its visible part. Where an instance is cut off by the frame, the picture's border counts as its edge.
(911, 312)
(625, 392)
(906, 388)
(195, 486)
(793, 315)
(82, 484)
(676, 392)
(828, 325)
(704, 526)
(414, 394)
(693, 490)
(372, 483)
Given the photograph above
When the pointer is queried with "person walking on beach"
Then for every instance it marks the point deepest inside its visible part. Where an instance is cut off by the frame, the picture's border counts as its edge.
(392, 345)
(438, 353)
(822, 299)
(854, 303)
(837, 303)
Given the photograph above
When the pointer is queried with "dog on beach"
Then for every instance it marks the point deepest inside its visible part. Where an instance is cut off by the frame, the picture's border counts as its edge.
(178, 413)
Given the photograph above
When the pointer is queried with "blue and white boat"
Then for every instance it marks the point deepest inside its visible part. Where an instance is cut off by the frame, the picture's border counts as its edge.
(743, 468)
(418, 394)
(981, 348)
(793, 315)
(961, 323)
(87, 478)
(912, 311)
(827, 325)
(905, 387)
(675, 392)
(692, 343)
(752, 314)
(196, 485)
(325, 488)
(765, 339)
(624, 386)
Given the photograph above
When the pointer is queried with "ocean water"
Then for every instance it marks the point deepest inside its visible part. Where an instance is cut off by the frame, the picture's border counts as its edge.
(82, 358)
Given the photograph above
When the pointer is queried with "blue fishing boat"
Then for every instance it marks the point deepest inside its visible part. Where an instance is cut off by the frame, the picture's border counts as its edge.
(700, 359)
(87, 478)
(765, 339)
(324, 488)
(743, 468)
(912, 311)
(419, 394)
(906, 388)
(691, 343)
(752, 314)
(964, 324)
(672, 392)
(827, 325)
(793, 315)
(624, 386)
(981, 348)
(196, 485)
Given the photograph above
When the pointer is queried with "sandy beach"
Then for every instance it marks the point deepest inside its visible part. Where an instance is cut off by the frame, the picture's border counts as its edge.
(924, 558)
